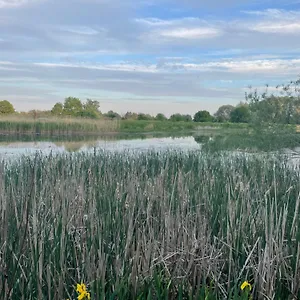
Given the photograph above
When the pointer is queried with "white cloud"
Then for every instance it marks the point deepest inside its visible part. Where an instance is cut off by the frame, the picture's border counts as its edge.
(78, 47)
(283, 27)
(80, 30)
(183, 28)
(274, 13)
(243, 66)
(6, 63)
(153, 22)
(14, 3)
(190, 33)
(275, 21)
(123, 67)
(264, 66)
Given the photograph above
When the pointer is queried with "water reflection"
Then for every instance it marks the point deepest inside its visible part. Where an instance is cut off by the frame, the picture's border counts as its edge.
(16, 145)
(206, 140)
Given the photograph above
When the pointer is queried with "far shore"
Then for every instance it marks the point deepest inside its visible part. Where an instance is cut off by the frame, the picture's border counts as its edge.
(79, 126)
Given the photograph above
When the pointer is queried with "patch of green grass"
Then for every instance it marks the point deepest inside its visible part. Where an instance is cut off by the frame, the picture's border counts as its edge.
(168, 126)
(252, 142)
(155, 126)
(155, 225)
(56, 126)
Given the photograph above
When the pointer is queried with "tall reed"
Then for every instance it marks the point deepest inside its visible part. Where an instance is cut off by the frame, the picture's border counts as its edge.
(56, 126)
(155, 225)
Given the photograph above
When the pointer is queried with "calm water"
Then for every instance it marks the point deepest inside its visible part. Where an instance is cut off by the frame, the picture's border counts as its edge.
(14, 147)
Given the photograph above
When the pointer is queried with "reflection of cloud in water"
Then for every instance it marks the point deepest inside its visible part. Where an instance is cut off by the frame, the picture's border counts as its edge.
(21, 148)
(187, 143)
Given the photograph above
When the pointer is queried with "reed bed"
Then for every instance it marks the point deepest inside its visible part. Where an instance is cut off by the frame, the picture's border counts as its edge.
(56, 126)
(155, 225)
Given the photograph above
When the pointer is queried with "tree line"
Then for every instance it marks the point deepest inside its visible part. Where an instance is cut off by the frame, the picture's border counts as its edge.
(281, 106)
(74, 107)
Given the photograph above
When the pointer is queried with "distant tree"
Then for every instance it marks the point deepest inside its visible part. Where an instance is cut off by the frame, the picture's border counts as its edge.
(281, 106)
(223, 113)
(57, 109)
(240, 114)
(144, 117)
(92, 105)
(72, 107)
(187, 118)
(91, 109)
(160, 117)
(90, 114)
(130, 116)
(6, 108)
(38, 114)
(112, 115)
(180, 118)
(175, 118)
(203, 116)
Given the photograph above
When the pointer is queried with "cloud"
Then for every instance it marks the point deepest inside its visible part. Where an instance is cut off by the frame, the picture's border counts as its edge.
(118, 50)
(171, 65)
(179, 31)
(171, 79)
(276, 21)
(79, 30)
(14, 3)
(244, 66)
(190, 33)
(284, 27)
(124, 67)
(153, 22)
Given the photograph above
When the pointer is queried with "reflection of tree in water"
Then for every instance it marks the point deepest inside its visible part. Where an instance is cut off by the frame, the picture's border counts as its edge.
(74, 146)
(202, 139)
(74, 143)
(253, 142)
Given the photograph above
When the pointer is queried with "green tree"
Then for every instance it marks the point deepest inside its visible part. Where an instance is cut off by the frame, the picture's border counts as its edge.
(112, 115)
(203, 116)
(72, 106)
(57, 109)
(6, 107)
(160, 117)
(144, 117)
(187, 118)
(91, 109)
(92, 105)
(180, 118)
(130, 116)
(240, 114)
(281, 106)
(223, 113)
(176, 118)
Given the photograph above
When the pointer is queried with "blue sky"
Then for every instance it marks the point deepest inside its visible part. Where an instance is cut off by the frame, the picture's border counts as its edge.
(145, 56)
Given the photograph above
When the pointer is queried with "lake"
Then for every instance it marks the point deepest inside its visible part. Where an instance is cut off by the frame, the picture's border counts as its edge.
(11, 147)
(15, 146)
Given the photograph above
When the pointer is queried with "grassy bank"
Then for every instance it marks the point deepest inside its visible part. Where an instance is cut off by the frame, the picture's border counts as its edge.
(168, 126)
(149, 226)
(75, 126)
(251, 142)
(56, 126)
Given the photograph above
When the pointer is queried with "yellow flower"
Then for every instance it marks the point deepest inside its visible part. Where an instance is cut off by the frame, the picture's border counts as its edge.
(81, 297)
(246, 284)
(83, 294)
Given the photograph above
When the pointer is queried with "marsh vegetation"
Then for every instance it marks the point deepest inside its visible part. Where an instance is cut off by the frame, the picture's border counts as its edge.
(154, 225)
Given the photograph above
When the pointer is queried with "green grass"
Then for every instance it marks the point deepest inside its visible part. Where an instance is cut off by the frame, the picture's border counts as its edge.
(74, 126)
(56, 126)
(251, 142)
(168, 126)
(165, 225)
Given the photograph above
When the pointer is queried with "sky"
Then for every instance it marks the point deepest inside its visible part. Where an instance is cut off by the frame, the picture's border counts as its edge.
(145, 56)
